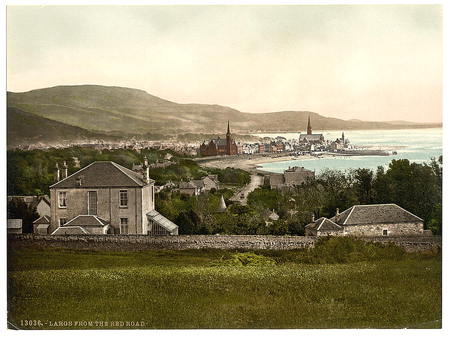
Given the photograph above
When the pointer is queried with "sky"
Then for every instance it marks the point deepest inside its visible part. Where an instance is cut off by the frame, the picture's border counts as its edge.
(368, 62)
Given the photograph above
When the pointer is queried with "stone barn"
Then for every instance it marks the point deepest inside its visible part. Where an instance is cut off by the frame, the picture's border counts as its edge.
(369, 220)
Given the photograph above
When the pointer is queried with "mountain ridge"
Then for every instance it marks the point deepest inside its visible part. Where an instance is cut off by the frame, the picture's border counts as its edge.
(114, 109)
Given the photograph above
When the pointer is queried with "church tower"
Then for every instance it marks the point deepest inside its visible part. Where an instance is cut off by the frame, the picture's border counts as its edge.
(309, 128)
(228, 139)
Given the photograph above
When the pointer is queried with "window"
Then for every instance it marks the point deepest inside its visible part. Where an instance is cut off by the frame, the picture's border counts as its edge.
(123, 225)
(62, 221)
(123, 198)
(92, 202)
(385, 232)
(62, 199)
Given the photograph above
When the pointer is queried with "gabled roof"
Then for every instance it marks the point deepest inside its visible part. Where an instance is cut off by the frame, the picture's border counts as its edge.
(198, 183)
(45, 219)
(187, 184)
(31, 200)
(102, 174)
(86, 220)
(69, 230)
(324, 224)
(375, 214)
(161, 220)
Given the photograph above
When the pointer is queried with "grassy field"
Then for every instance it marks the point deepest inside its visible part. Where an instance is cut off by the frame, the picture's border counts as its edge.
(373, 288)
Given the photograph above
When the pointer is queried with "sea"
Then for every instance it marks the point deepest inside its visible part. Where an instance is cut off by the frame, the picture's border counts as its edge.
(416, 145)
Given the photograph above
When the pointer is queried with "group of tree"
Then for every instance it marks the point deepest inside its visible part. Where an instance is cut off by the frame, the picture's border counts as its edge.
(413, 186)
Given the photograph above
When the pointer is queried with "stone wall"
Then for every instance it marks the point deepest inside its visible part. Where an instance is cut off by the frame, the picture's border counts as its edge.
(394, 229)
(247, 242)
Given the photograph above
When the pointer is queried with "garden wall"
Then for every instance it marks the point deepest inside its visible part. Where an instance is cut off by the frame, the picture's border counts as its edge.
(248, 242)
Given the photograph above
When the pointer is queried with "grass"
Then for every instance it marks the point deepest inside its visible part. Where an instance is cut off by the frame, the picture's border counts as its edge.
(225, 289)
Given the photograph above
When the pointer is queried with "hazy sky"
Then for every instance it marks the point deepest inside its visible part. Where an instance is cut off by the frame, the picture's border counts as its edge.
(365, 62)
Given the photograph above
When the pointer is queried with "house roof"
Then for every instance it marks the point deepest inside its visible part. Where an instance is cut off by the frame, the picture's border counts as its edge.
(375, 214)
(102, 174)
(313, 137)
(161, 220)
(69, 230)
(86, 220)
(31, 200)
(324, 224)
(187, 184)
(198, 183)
(45, 219)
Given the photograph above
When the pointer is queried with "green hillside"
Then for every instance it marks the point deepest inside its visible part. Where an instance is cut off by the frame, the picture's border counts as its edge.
(25, 128)
(101, 108)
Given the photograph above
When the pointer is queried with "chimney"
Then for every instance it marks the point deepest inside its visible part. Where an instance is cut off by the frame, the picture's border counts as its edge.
(313, 218)
(337, 211)
(65, 170)
(146, 171)
(58, 177)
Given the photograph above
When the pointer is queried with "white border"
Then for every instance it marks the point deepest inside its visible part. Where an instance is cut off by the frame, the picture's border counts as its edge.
(200, 333)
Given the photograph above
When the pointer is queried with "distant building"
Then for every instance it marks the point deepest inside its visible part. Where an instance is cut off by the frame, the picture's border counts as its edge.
(14, 226)
(339, 144)
(293, 176)
(369, 220)
(42, 203)
(41, 225)
(197, 186)
(310, 138)
(220, 146)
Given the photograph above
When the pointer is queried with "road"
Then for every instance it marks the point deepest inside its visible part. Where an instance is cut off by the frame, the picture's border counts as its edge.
(242, 194)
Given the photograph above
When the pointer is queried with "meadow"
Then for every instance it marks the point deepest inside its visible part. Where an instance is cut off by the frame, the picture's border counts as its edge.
(338, 284)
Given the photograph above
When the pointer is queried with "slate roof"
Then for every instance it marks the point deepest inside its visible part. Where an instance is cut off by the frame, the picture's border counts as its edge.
(43, 220)
(198, 183)
(161, 220)
(313, 137)
(31, 200)
(324, 224)
(86, 220)
(220, 141)
(69, 230)
(102, 174)
(187, 184)
(375, 214)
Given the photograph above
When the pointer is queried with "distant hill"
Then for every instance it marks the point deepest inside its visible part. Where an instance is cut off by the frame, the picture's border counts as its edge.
(132, 111)
(25, 128)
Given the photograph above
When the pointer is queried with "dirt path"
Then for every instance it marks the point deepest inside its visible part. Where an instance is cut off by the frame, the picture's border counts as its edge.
(242, 194)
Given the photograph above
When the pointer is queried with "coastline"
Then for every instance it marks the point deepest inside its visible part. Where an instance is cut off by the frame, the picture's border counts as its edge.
(252, 163)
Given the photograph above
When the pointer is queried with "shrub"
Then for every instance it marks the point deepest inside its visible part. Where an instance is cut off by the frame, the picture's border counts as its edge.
(247, 259)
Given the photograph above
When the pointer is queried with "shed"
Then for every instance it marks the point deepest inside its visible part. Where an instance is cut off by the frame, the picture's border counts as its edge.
(14, 226)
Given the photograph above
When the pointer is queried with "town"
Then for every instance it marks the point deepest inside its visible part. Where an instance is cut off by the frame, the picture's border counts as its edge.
(104, 197)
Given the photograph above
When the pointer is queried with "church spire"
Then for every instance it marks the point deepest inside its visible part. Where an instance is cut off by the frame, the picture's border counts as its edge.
(228, 129)
(309, 128)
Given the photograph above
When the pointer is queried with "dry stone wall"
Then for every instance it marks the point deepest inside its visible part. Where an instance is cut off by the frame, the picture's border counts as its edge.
(245, 242)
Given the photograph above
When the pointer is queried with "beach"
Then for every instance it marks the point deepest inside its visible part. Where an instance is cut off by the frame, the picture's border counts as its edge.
(251, 163)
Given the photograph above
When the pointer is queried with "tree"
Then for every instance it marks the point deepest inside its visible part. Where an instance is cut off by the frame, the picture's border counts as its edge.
(18, 209)
(363, 185)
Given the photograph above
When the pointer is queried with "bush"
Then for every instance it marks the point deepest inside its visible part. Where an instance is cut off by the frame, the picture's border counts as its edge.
(247, 259)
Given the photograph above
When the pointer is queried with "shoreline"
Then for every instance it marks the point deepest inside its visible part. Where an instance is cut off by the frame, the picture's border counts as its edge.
(252, 163)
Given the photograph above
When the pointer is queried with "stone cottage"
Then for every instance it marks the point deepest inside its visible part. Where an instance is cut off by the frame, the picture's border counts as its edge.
(41, 203)
(106, 198)
(369, 220)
